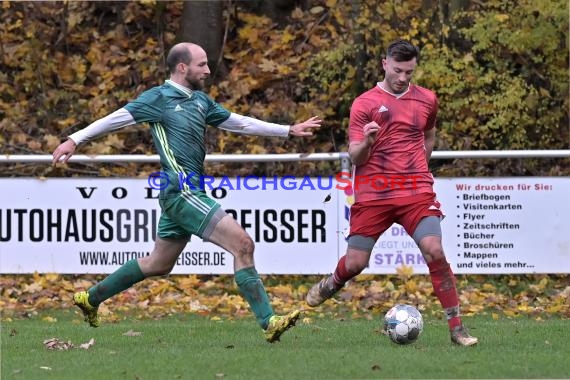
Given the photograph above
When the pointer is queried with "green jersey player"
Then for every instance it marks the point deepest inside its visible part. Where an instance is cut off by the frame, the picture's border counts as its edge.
(178, 113)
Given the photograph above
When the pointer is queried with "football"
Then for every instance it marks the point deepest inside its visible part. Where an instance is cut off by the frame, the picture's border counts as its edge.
(403, 324)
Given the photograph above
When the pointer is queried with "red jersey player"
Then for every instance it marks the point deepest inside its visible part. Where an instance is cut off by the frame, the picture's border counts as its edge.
(391, 137)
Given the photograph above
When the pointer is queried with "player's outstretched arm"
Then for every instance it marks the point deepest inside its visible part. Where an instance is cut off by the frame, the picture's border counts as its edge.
(117, 120)
(250, 126)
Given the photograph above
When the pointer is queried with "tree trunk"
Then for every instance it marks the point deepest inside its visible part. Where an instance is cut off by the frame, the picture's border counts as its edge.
(360, 44)
(455, 6)
(455, 38)
(277, 10)
(202, 23)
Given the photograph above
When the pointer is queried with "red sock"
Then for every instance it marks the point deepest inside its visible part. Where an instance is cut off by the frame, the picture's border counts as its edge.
(443, 282)
(341, 274)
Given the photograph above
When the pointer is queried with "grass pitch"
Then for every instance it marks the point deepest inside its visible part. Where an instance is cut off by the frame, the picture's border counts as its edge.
(193, 347)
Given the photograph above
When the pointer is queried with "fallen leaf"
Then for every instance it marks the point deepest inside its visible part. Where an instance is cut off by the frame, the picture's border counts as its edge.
(405, 271)
(316, 10)
(267, 65)
(87, 345)
(132, 333)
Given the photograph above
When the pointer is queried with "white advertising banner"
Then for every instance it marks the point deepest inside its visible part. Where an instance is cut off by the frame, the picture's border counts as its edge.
(491, 226)
(94, 225)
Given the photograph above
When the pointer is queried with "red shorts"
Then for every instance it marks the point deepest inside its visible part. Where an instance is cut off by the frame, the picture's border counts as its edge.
(372, 218)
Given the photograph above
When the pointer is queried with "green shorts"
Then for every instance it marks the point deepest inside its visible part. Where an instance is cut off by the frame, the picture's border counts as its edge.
(190, 213)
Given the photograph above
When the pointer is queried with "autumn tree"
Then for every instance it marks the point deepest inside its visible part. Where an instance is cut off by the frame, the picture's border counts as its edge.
(500, 70)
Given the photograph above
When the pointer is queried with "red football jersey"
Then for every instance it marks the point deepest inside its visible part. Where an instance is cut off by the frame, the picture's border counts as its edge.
(397, 166)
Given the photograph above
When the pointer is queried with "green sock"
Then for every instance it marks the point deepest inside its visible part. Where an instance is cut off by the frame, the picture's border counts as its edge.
(123, 278)
(252, 290)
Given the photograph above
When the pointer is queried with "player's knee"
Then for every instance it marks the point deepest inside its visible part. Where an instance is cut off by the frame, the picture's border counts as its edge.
(359, 248)
(245, 246)
(434, 252)
(150, 266)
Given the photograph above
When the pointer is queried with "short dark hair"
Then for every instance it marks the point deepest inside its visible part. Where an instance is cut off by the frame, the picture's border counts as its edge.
(176, 55)
(403, 51)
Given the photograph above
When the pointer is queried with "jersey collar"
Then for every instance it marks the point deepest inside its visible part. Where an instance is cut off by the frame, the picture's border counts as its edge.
(397, 96)
(185, 90)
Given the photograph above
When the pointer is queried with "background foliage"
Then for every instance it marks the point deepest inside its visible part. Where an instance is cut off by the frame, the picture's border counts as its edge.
(500, 71)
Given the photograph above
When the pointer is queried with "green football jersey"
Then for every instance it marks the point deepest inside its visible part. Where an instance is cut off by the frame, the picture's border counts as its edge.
(178, 121)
